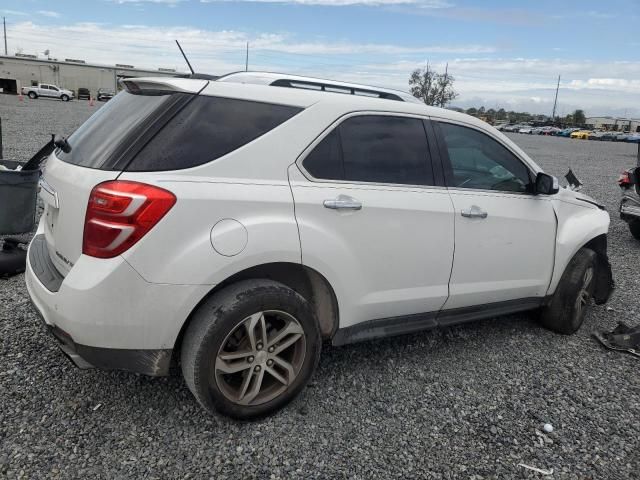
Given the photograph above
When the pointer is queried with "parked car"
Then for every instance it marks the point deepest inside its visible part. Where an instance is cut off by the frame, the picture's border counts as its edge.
(633, 138)
(550, 131)
(567, 132)
(620, 136)
(84, 94)
(629, 182)
(46, 90)
(104, 94)
(528, 130)
(596, 135)
(580, 134)
(255, 219)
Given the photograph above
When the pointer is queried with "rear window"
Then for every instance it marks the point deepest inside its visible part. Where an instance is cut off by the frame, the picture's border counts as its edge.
(98, 139)
(169, 131)
(206, 129)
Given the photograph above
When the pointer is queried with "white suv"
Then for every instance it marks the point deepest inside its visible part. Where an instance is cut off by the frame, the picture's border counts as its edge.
(232, 226)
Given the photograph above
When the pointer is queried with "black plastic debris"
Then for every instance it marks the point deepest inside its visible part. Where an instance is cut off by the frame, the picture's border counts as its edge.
(623, 338)
(18, 201)
(13, 257)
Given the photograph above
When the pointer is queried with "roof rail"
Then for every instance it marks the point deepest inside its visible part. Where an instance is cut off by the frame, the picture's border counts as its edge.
(334, 88)
(317, 84)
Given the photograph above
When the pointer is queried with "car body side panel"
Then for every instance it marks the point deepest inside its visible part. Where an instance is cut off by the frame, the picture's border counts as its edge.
(577, 225)
(180, 250)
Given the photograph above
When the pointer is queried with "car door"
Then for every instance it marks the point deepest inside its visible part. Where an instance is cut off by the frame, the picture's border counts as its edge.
(43, 91)
(504, 234)
(372, 218)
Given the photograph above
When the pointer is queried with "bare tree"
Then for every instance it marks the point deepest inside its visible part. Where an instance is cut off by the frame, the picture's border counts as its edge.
(431, 87)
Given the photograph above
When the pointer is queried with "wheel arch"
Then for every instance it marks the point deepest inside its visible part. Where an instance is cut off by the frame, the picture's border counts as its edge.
(304, 280)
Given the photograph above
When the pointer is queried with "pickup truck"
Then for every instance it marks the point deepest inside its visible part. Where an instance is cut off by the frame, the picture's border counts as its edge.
(47, 90)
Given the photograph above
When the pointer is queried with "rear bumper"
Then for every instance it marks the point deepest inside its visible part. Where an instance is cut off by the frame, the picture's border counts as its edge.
(154, 363)
(105, 315)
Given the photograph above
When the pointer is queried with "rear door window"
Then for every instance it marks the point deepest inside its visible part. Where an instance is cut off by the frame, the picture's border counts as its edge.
(374, 149)
(208, 128)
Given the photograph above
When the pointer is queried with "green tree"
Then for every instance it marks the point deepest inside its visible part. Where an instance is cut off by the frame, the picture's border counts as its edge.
(579, 117)
(472, 111)
(431, 87)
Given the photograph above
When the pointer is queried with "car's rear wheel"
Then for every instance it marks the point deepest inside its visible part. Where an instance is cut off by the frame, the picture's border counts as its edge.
(570, 302)
(250, 349)
(32, 95)
(634, 227)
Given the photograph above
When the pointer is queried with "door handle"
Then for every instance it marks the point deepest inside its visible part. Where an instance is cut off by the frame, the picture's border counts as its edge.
(474, 211)
(343, 202)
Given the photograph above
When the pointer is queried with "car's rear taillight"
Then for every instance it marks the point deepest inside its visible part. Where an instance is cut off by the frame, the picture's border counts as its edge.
(625, 180)
(120, 213)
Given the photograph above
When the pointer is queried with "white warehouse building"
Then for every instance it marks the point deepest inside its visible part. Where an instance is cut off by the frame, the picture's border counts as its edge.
(614, 124)
(27, 70)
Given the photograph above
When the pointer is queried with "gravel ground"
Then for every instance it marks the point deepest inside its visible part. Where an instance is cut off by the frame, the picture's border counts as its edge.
(465, 402)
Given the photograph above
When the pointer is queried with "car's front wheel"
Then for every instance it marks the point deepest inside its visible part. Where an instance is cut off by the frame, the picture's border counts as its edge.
(64, 98)
(250, 349)
(570, 302)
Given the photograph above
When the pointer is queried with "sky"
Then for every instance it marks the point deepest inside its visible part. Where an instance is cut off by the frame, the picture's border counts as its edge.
(502, 54)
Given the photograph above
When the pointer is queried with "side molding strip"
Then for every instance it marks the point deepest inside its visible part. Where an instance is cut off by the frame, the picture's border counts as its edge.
(389, 327)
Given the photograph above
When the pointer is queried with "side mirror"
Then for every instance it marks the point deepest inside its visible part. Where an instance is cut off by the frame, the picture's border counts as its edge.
(546, 184)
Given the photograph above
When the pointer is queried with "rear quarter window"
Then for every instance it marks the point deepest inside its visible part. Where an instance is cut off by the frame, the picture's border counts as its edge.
(208, 128)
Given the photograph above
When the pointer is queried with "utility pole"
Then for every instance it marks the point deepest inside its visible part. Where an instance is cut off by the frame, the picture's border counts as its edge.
(555, 102)
(246, 59)
(4, 24)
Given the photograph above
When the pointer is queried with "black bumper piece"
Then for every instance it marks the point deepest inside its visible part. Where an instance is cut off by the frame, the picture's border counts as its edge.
(154, 363)
(42, 266)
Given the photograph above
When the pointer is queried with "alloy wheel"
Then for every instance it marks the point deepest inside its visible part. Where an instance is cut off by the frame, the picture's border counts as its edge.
(584, 293)
(260, 357)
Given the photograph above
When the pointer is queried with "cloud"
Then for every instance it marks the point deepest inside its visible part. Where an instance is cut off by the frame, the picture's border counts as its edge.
(48, 13)
(484, 76)
(13, 12)
(426, 4)
(169, 3)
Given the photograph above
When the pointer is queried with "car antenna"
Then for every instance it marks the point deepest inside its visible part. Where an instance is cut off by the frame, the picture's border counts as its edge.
(185, 58)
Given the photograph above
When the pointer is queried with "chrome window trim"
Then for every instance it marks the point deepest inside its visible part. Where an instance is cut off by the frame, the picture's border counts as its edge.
(299, 161)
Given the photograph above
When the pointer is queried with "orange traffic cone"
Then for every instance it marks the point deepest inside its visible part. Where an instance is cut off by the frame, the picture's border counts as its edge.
(91, 101)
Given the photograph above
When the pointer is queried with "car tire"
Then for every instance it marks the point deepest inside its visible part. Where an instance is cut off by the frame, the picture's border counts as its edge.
(224, 366)
(32, 95)
(634, 227)
(64, 98)
(567, 308)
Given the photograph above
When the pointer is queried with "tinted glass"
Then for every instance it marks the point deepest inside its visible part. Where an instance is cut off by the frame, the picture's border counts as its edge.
(208, 128)
(478, 161)
(103, 133)
(325, 161)
(385, 149)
